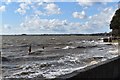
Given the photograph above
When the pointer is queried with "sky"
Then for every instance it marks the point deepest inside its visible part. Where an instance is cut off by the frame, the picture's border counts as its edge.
(55, 17)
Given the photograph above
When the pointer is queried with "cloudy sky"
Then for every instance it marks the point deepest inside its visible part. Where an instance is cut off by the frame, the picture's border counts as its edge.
(55, 17)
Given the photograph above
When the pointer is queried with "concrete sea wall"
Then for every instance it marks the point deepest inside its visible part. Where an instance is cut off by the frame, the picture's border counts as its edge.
(109, 69)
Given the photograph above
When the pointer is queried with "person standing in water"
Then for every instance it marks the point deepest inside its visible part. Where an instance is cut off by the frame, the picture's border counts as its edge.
(43, 47)
(29, 49)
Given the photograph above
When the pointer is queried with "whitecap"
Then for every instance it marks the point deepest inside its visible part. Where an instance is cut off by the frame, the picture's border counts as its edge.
(59, 72)
(68, 47)
(114, 52)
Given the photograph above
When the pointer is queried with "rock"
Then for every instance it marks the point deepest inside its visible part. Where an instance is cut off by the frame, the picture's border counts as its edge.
(80, 47)
(100, 49)
(36, 52)
(45, 65)
(5, 59)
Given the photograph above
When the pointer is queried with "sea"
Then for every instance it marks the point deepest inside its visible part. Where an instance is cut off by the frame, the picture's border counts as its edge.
(51, 56)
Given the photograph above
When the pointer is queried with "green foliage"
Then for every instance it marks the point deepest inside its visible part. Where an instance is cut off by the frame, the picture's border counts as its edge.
(115, 22)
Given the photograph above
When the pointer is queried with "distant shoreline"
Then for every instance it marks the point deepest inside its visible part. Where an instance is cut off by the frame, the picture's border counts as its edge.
(96, 34)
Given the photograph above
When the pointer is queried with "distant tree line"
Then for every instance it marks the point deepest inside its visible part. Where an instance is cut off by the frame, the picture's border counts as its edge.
(94, 34)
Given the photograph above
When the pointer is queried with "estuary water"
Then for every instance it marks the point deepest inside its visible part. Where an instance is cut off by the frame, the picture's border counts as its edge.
(51, 56)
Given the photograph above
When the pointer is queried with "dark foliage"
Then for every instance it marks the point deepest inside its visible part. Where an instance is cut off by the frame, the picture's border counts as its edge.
(115, 22)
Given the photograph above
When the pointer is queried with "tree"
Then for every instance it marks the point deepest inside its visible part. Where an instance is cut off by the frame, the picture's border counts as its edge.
(115, 23)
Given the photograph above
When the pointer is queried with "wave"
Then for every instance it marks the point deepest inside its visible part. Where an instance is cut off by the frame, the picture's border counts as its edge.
(48, 74)
(53, 63)
(81, 44)
(68, 47)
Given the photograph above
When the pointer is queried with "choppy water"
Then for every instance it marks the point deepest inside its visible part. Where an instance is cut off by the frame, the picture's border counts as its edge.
(62, 55)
